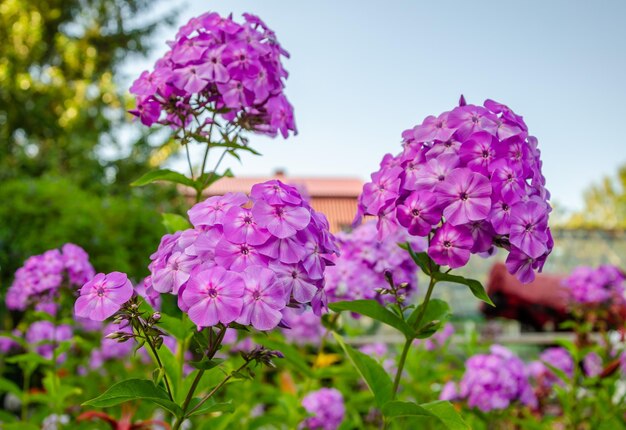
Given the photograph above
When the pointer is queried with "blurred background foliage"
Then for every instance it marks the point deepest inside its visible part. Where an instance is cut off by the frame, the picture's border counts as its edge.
(65, 136)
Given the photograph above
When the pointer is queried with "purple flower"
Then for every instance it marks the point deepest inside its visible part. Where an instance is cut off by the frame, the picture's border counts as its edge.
(41, 277)
(214, 296)
(44, 336)
(263, 299)
(592, 363)
(556, 357)
(303, 326)
(246, 259)
(451, 245)
(326, 409)
(419, 213)
(360, 269)
(281, 220)
(103, 296)
(215, 64)
(483, 171)
(529, 221)
(602, 285)
(493, 381)
(434, 129)
(466, 196)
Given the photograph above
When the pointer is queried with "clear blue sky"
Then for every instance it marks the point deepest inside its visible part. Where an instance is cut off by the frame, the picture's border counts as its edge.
(363, 71)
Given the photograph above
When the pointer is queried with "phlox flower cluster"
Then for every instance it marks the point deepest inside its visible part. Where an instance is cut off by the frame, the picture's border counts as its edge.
(587, 285)
(493, 381)
(326, 408)
(39, 280)
(215, 64)
(364, 261)
(44, 334)
(246, 259)
(302, 326)
(470, 179)
(592, 364)
(556, 357)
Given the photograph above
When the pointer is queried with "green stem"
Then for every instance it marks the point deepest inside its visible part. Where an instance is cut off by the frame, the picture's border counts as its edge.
(25, 395)
(158, 361)
(216, 389)
(409, 341)
(213, 348)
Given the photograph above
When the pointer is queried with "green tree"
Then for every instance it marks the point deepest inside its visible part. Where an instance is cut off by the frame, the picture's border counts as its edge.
(605, 204)
(59, 102)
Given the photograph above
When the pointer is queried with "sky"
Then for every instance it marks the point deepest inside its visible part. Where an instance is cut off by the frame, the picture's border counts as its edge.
(361, 72)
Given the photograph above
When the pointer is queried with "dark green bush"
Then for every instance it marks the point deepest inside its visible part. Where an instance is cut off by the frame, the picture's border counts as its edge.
(119, 233)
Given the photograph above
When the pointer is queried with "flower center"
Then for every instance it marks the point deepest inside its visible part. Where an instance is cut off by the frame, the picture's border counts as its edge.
(439, 124)
(441, 178)
(464, 196)
(100, 291)
(415, 213)
(475, 119)
(447, 244)
(485, 153)
(245, 250)
(294, 274)
(212, 292)
(256, 295)
(247, 220)
(528, 228)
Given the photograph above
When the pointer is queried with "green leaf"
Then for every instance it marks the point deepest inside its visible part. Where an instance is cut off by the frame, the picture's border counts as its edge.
(475, 286)
(7, 386)
(374, 310)
(206, 364)
(180, 328)
(437, 312)
(134, 389)
(422, 259)
(174, 222)
(163, 175)
(436, 415)
(209, 408)
(372, 373)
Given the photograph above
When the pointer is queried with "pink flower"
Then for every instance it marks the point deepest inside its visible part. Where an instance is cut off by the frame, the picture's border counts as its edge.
(214, 296)
(263, 299)
(103, 296)
(466, 196)
(451, 246)
(281, 220)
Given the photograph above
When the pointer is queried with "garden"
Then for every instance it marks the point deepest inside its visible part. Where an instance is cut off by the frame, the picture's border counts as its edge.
(135, 296)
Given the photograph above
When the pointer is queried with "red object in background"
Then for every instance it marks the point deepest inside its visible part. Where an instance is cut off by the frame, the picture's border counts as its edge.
(539, 306)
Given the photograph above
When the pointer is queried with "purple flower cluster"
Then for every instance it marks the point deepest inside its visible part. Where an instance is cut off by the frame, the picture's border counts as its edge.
(217, 65)
(556, 357)
(472, 179)
(44, 334)
(326, 408)
(38, 281)
(303, 326)
(587, 285)
(246, 259)
(493, 381)
(360, 269)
